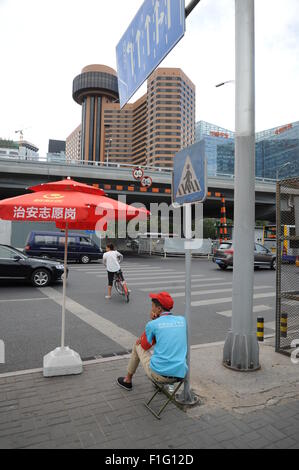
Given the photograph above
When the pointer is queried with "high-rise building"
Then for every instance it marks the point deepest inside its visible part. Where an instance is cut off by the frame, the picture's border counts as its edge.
(92, 89)
(170, 115)
(219, 147)
(148, 132)
(73, 145)
(274, 148)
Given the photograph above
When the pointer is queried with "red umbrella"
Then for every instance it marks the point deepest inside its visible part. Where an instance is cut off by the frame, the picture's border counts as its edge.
(71, 205)
(68, 204)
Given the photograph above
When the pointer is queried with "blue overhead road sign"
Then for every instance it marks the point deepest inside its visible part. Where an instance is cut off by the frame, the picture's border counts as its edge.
(155, 30)
(190, 175)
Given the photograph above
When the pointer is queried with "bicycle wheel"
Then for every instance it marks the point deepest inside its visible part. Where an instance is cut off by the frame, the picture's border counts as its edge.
(118, 286)
(126, 293)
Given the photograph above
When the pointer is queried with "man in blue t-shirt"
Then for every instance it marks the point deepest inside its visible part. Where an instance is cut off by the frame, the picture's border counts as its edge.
(168, 333)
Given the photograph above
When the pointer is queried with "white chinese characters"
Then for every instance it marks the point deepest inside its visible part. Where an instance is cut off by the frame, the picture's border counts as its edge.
(44, 213)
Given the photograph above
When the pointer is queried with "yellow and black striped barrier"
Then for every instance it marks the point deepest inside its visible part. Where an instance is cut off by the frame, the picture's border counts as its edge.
(260, 329)
(284, 325)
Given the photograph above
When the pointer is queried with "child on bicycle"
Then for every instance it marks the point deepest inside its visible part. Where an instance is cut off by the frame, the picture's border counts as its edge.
(111, 260)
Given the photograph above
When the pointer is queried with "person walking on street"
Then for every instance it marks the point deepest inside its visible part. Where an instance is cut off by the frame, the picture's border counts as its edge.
(111, 260)
(168, 334)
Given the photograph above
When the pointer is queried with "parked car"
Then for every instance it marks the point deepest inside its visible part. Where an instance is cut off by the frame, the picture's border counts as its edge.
(51, 245)
(224, 256)
(14, 264)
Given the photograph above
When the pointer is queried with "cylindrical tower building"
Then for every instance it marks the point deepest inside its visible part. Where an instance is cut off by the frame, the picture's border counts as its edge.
(95, 86)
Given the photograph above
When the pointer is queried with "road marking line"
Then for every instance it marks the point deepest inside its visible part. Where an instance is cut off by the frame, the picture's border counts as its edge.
(214, 291)
(147, 278)
(100, 266)
(24, 300)
(124, 269)
(180, 286)
(139, 272)
(271, 325)
(224, 300)
(119, 335)
(256, 308)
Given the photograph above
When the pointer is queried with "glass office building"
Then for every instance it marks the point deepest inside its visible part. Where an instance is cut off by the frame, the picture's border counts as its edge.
(277, 150)
(220, 147)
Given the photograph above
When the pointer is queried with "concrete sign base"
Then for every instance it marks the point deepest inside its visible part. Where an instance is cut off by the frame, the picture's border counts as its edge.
(62, 361)
(241, 352)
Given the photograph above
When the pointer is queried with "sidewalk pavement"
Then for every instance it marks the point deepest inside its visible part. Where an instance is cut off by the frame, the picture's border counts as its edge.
(238, 410)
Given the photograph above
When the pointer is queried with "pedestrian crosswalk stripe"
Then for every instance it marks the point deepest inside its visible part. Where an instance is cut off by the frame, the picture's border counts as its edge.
(182, 285)
(214, 291)
(256, 309)
(101, 266)
(189, 183)
(158, 274)
(144, 272)
(198, 303)
(147, 278)
(271, 325)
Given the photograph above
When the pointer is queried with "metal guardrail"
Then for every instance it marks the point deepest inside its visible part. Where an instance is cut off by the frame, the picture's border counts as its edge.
(82, 163)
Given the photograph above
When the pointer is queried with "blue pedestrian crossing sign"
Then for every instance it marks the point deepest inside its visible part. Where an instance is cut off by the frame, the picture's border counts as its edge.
(190, 175)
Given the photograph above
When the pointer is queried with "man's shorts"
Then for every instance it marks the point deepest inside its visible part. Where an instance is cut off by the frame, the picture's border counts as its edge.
(111, 277)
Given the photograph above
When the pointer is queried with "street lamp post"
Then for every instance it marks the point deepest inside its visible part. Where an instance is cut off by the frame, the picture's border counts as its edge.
(280, 168)
(224, 83)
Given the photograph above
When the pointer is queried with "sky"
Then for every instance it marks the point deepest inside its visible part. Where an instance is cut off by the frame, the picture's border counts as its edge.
(46, 43)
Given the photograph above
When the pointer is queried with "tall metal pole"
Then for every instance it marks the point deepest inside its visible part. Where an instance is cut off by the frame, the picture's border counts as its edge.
(64, 286)
(241, 350)
(190, 7)
(187, 397)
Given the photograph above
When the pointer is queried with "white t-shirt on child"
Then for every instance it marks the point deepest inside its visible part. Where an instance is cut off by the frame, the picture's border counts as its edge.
(111, 260)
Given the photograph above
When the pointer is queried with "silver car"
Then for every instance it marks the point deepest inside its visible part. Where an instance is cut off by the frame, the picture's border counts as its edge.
(263, 257)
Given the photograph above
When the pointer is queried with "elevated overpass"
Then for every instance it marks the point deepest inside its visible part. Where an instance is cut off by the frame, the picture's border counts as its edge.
(16, 175)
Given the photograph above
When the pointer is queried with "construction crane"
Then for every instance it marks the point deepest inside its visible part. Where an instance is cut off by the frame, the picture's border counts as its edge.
(21, 132)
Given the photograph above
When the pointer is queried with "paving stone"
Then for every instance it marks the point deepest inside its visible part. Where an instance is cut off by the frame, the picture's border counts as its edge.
(292, 431)
(259, 444)
(223, 436)
(5, 443)
(27, 440)
(286, 443)
(61, 431)
(271, 433)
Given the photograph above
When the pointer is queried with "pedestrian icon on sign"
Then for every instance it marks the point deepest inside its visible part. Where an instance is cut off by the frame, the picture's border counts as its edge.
(189, 183)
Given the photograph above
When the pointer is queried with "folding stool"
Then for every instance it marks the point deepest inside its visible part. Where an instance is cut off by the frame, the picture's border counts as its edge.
(170, 396)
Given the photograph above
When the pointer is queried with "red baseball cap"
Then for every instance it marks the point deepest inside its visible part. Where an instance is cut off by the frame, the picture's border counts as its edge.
(164, 298)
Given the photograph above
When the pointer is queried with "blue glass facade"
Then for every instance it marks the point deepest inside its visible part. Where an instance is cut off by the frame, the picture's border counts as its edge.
(219, 146)
(277, 149)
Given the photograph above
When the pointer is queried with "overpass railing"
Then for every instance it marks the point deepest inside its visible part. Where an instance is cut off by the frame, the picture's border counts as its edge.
(72, 163)
(113, 165)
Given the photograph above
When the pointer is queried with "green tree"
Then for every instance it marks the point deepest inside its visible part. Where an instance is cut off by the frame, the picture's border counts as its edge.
(210, 228)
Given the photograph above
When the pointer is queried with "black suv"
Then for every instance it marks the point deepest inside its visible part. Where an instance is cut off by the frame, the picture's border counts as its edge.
(14, 264)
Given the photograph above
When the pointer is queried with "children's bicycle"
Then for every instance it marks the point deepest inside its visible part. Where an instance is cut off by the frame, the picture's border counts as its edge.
(121, 286)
